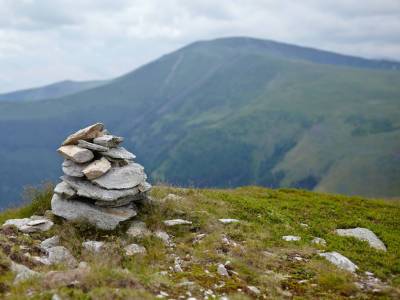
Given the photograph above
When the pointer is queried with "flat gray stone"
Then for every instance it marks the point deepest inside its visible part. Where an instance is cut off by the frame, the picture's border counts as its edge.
(126, 177)
(30, 225)
(22, 272)
(50, 242)
(318, 241)
(87, 133)
(92, 146)
(103, 218)
(64, 190)
(340, 261)
(138, 229)
(222, 270)
(228, 221)
(76, 154)
(71, 168)
(133, 249)
(93, 246)
(176, 222)
(119, 153)
(291, 238)
(108, 140)
(87, 189)
(97, 168)
(363, 234)
(60, 255)
(144, 187)
(120, 202)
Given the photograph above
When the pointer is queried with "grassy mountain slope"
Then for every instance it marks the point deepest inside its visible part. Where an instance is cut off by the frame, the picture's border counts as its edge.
(258, 256)
(226, 113)
(55, 90)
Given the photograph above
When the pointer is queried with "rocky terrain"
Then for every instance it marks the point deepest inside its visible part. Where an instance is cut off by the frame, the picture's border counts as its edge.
(246, 243)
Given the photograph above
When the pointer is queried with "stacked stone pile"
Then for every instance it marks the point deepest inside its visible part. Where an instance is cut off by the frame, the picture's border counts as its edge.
(101, 182)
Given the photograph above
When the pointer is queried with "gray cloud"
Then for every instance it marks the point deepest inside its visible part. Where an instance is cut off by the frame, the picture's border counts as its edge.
(43, 41)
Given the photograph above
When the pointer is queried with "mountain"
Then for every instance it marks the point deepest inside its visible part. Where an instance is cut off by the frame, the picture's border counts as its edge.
(55, 90)
(252, 258)
(229, 112)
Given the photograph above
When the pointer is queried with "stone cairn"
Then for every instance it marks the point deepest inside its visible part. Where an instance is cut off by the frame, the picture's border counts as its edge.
(101, 182)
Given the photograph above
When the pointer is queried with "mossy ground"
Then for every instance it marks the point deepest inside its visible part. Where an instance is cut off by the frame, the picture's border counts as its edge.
(258, 256)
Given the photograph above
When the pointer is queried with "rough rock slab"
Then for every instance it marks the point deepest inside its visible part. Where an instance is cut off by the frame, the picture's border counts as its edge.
(120, 201)
(222, 270)
(228, 221)
(97, 168)
(22, 272)
(29, 225)
(92, 146)
(175, 222)
(93, 246)
(291, 238)
(340, 261)
(76, 154)
(133, 249)
(108, 140)
(318, 241)
(71, 168)
(138, 229)
(87, 189)
(363, 234)
(119, 153)
(50, 242)
(126, 177)
(103, 218)
(144, 187)
(87, 133)
(60, 255)
(64, 190)
(165, 237)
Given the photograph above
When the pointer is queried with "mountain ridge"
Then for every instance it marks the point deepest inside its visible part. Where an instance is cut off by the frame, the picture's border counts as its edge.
(212, 115)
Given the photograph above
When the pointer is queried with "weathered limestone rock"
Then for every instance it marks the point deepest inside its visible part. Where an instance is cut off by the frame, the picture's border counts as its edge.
(175, 222)
(103, 218)
(228, 221)
(92, 146)
(97, 168)
(107, 140)
(291, 238)
(29, 225)
(318, 241)
(126, 177)
(133, 249)
(89, 190)
(165, 237)
(120, 201)
(22, 272)
(87, 133)
(71, 168)
(144, 187)
(363, 234)
(76, 154)
(50, 242)
(340, 261)
(222, 270)
(60, 255)
(119, 153)
(138, 229)
(93, 246)
(64, 190)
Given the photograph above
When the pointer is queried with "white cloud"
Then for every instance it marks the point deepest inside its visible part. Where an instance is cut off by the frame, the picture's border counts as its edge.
(43, 41)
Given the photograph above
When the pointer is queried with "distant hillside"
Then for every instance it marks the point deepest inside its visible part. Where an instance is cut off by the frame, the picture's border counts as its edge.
(55, 90)
(229, 112)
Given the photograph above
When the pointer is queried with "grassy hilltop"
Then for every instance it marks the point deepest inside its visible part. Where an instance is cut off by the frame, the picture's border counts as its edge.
(258, 256)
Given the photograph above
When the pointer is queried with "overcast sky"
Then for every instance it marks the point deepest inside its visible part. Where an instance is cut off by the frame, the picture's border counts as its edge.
(43, 41)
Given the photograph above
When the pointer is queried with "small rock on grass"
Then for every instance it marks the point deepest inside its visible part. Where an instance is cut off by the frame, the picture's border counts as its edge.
(165, 237)
(133, 249)
(253, 289)
(318, 241)
(222, 270)
(363, 234)
(290, 238)
(93, 246)
(22, 272)
(228, 221)
(50, 242)
(29, 225)
(138, 229)
(176, 222)
(60, 255)
(340, 261)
